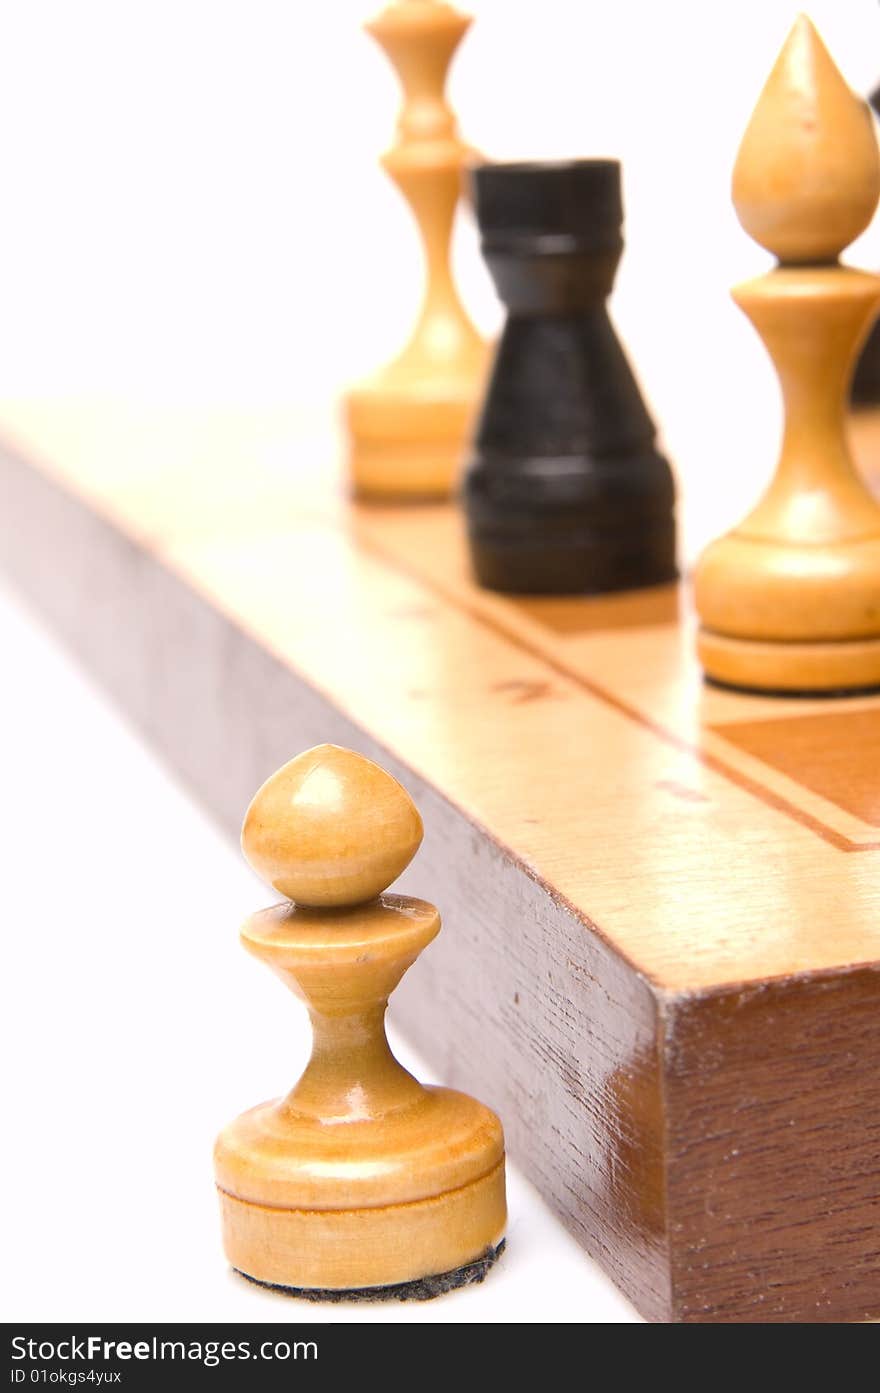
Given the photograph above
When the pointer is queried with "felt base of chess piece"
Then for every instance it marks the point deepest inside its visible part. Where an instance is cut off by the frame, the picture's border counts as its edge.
(565, 491)
(360, 1177)
(426, 1289)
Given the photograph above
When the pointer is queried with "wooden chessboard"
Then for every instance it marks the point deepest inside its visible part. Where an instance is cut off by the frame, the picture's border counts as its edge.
(661, 962)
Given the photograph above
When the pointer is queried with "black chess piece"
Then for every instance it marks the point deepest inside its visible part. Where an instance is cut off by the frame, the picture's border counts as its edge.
(865, 389)
(565, 492)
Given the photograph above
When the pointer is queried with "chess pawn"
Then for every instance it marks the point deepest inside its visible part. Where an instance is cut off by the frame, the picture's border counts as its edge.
(360, 1177)
(408, 424)
(790, 599)
(566, 492)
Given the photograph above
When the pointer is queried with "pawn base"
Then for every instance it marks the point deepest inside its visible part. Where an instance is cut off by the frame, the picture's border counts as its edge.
(833, 668)
(571, 524)
(586, 564)
(312, 1201)
(407, 446)
(382, 1246)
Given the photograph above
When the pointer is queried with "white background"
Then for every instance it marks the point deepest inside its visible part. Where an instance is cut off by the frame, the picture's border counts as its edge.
(192, 208)
(133, 1026)
(192, 213)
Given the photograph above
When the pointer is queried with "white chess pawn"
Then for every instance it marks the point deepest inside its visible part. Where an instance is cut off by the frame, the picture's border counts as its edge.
(409, 424)
(361, 1178)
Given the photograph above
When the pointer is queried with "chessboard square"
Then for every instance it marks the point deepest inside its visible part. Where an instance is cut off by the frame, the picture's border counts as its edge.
(833, 754)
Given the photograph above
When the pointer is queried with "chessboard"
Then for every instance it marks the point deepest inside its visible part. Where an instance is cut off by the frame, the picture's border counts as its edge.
(661, 956)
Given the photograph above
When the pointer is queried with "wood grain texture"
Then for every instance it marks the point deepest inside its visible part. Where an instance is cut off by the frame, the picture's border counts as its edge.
(774, 1138)
(612, 871)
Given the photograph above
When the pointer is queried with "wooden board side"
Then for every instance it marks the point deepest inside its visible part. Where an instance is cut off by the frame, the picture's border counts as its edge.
(774, 1150)
(519, 1001)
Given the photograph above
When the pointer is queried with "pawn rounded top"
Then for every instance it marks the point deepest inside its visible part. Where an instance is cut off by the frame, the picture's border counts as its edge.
(807, 176)
(331, 829)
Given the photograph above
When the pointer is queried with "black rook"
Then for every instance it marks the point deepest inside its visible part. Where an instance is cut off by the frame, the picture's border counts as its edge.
(566, 492)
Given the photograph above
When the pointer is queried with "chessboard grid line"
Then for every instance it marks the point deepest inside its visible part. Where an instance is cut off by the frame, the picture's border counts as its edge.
(624, 708)
(361, 535)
